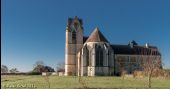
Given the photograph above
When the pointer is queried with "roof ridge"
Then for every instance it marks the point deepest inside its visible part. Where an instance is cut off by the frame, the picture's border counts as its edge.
(96, 36)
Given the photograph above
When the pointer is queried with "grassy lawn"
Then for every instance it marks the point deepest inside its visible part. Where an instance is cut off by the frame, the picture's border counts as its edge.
(56, 82)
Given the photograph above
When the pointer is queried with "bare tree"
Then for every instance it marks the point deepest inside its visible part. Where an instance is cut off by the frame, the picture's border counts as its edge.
(39, 67)
(4, 69)
(60, 66)
(151, 63)
(166, 73)
(13, 70)
(37, 63)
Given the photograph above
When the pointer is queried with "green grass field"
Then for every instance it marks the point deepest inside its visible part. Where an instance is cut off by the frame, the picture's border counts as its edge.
(56, 82)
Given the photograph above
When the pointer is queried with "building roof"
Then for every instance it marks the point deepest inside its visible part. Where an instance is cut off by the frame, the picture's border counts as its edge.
(135, 50)
(96, 36)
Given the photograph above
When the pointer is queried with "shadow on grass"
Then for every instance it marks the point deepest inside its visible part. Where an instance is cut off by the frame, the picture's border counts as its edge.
(114, 88)
(8, 80)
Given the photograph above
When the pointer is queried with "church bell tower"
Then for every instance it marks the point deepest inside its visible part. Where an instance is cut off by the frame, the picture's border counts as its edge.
(73, 44)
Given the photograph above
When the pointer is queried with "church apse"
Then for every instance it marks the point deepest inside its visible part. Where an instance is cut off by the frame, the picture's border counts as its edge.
(96, 56)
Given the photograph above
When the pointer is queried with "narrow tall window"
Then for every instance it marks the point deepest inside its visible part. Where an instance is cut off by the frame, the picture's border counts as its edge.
(73, 37)
(99, 57)
(90, 54)
(87, 56)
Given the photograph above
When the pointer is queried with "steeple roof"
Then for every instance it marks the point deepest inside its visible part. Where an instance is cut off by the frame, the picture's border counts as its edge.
(96, 36)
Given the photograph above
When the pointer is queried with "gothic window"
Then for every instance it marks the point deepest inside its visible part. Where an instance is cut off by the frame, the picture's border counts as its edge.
(109, 59)
(76, 25)
(99, 57)
(90, 53)
(73, 37)
(87, 56)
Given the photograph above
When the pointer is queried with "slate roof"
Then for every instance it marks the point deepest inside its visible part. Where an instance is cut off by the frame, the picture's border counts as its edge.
(96, 36)
(135, 50)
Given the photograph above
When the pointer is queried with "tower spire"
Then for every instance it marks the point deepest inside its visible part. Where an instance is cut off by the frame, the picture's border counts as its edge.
(74, 42)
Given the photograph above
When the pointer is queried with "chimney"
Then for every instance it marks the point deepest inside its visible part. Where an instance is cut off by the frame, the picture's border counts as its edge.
(147, 45)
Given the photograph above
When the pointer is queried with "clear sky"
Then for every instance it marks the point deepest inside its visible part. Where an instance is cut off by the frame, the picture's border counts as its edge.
(34, 30)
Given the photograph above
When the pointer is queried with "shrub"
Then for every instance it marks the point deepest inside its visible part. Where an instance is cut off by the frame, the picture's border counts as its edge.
(34, 73)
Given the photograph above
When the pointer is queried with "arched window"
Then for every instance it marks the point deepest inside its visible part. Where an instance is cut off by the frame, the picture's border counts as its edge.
(99, 56)
(73, 37)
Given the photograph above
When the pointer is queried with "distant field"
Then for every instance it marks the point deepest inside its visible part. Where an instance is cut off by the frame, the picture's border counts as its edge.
(56, 82)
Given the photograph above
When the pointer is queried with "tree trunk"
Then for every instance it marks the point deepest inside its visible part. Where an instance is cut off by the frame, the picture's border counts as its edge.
(149, 82)
(149, 79)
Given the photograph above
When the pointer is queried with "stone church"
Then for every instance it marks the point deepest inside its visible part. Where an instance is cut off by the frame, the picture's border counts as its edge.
(95, 56)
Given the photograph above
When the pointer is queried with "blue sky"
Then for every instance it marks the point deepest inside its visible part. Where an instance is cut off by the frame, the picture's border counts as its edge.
(34, 30)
